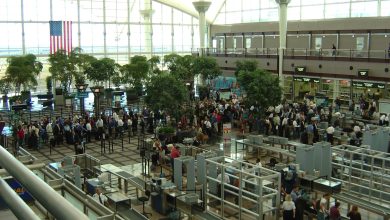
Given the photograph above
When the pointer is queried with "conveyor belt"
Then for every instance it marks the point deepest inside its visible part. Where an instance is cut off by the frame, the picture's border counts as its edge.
(205, 216)
(129, 213)
(372, 207)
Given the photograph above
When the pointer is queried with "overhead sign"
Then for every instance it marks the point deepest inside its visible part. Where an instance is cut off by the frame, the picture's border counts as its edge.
(363, 73)
(306, 79)
(300, 69)
(368, 85)
(82, 95)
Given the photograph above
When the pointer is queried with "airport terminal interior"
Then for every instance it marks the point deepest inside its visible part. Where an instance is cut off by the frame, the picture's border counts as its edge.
(195, 109)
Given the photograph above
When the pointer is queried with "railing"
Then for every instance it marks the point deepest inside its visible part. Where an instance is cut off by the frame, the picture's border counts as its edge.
(57, 205)
(364, 174)
(296, 52)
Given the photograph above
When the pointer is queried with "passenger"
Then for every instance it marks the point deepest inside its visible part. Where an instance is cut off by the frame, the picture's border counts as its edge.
(329, 134)
(288, 207)
(295, 193)
(354, 214)
(175, 153)
(334, 212)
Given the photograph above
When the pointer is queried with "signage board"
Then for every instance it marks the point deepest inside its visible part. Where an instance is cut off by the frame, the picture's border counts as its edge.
(82, 95)
(363, 73)
(368, 85)
(300, 69)
(306, 79)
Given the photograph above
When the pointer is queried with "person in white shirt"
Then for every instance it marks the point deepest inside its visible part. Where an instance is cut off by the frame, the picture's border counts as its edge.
(130, 126)
(329, 134)
(120, 126)
(99, 197)
(88, 127)
(288, 207)
(99, 125)
(226, 178)
(258, 162)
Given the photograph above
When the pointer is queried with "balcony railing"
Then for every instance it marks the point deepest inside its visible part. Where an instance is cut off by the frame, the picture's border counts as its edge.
(297, 53)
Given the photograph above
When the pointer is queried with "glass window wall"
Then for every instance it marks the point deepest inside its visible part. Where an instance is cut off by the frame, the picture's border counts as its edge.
(267, 10)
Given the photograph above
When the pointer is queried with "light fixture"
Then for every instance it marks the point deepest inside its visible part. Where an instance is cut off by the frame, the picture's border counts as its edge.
(353, 35)
(385, 35)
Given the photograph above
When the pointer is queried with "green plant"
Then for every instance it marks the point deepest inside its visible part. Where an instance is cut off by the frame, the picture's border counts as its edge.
(82, 62)
(136, 72)
(246, 66)
(165, 92)
(166, 130)
(262, 88)
(207, 67)
(49, 83)
(5, 86)
(203, 92)
(154, 61)
(101, 70)
(62, 68)
(22, 71)
(181, 67)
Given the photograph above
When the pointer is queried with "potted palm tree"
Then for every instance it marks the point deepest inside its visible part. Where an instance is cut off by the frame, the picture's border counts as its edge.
(134, 74)
(22, 72)
(49, 84)
(5, 88)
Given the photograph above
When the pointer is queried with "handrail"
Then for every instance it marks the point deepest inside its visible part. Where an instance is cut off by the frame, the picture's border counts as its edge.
(19, 208)
(297, 52)
(57, 205)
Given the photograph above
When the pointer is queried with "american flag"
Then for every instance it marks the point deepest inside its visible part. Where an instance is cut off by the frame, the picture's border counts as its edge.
(60, 36)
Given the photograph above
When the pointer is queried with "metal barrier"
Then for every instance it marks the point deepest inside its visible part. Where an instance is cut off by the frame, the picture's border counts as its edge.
(296, 52)
(249, 192)
(52, 201)
(20, 209)
(363, 171)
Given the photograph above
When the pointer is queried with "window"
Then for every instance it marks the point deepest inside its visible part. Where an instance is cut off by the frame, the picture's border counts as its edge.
(233, 5)
(117, 38)
(337, 10)
(250, 5)
(312, 12)
(36, 10)
(10, 10)
(294, 13)
(313, 2)
(10, 39)
(248, 42)
(268, 4)
(64, 10)
(385, 5)
(251, 16)
(269, 15)
(364, 9)
(36, 38)
(233, 17)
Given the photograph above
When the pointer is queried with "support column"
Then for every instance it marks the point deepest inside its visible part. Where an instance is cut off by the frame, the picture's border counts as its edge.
(202, 7)
(282, 35)
(78, 24)
(128, 30)
(192, 34)
(147, 13)
(23, 35)
(336, 88)
(104, 28)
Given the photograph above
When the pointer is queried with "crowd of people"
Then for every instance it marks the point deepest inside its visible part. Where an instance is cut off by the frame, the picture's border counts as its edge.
(78, 131)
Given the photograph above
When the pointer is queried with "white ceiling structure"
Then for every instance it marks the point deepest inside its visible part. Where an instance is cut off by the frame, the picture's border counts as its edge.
(187, 7)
